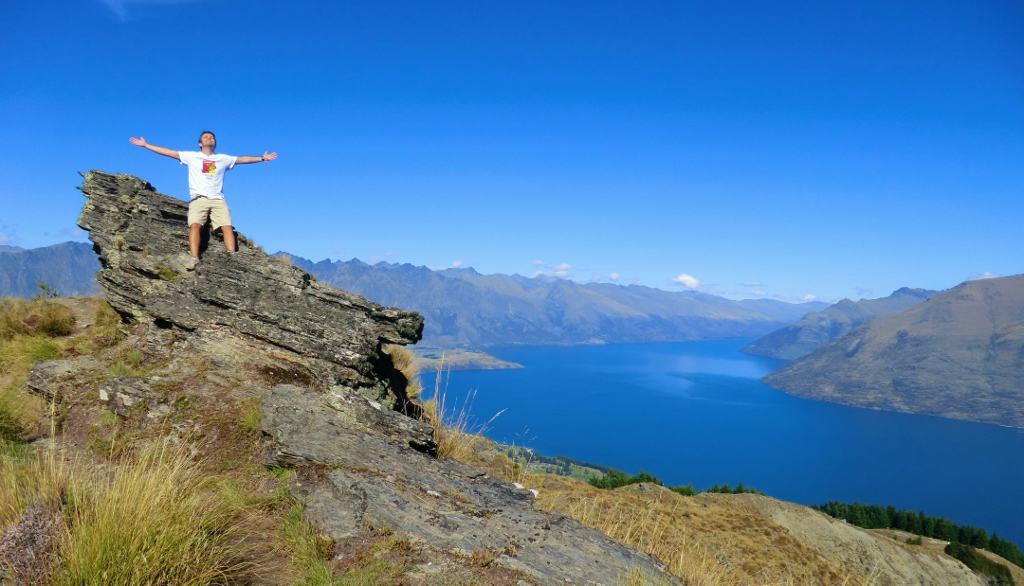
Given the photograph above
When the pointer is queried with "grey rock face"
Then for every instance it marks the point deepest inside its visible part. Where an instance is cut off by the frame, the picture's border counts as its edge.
(147, 274)
(125, 396)
(367, 472)
(51, 378)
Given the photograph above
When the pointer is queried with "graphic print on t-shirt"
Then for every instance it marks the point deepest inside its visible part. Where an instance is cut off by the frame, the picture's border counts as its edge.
(209, 167)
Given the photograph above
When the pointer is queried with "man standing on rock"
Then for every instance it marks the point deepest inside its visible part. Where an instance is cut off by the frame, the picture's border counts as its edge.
(206, 186)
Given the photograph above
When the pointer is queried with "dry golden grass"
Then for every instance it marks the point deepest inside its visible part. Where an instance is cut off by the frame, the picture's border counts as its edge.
(648, 521)
(151, 519)
(43, 329)
(704, 540)
(28, 479)
(454, 432)
(27, 334)
(405, 363)
(38, 317)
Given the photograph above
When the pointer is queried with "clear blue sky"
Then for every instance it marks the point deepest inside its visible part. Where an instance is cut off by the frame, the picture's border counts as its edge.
(770, 148)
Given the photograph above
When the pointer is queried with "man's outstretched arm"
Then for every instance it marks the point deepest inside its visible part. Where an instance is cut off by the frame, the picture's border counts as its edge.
(156, 149)
(266, 157)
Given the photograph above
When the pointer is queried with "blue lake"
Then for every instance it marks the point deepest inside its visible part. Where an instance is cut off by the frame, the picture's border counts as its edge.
(695, 412)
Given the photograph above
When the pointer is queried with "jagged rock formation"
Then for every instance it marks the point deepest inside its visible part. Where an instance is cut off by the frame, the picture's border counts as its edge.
(340, 416)
(147, 274)
(960, 354)
(816, 329)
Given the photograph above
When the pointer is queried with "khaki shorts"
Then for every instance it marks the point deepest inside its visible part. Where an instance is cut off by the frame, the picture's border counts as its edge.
(201, 208)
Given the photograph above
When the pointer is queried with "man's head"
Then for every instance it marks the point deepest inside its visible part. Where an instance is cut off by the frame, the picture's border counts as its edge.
(207, 139)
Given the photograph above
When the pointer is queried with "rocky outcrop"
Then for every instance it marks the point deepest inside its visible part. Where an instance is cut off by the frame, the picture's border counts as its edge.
(147, 274)
(360, 477)
(29, 546)
(339, 414)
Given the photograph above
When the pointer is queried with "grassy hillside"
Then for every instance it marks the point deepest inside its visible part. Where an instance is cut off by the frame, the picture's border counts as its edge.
(109, 491)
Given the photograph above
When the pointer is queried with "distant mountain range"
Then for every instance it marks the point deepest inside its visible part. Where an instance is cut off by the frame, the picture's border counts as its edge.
(464, 308)
(959, 354)
(67, 268)
(816, 329)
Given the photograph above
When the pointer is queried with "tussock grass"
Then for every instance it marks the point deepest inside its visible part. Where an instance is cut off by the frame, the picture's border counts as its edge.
(645, 521)
(38, 317)
(151, 519)
(130, 364)
(704, 540)
(250, 417)
(103, 333)
(27, 332)
(405, 362)
(28, 478)
(310, 551)
(453, 430)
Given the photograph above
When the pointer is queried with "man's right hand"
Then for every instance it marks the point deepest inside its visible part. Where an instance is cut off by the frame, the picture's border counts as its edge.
(156, 149)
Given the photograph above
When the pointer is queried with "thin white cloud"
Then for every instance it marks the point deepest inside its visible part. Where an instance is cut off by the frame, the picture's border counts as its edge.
(688, 281)
(984, 275)
(809, 297)
(614, 277)
(562, 270)
(376, 258)
(120, 7)
(759, 293)
(6, 238)
(456, 264)
(752, 285)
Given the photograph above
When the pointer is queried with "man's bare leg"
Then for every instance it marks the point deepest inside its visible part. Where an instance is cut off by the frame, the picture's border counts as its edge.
(229, 238)
(194, 232)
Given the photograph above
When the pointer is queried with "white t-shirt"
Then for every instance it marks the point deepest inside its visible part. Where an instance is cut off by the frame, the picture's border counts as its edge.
(206, 173)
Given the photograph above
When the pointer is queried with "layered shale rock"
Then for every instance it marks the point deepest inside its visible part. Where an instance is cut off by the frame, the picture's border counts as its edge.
(359, 478)
(338, 413)
(147, 275)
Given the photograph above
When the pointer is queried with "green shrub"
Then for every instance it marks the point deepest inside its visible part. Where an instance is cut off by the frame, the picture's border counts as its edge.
(998, 574)
(918, 523)
(617, 478)
(726, 489)
(310, 551)
(685, 490)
